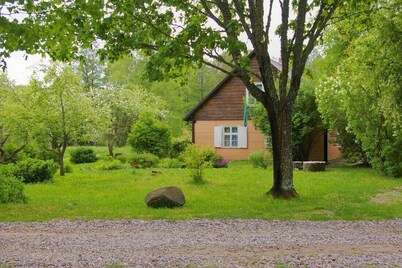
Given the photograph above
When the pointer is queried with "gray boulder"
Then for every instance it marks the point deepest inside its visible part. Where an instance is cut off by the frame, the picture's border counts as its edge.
(169, 197)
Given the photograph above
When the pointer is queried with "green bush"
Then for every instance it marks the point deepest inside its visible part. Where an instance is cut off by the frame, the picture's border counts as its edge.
(169, 163)
(83, 155)
(197, 158)
(121, 157)
(35, 170)
(109, 165)
(220, 162)
(68, 168)
(146, 160)
(178, 146)
(149, 135)
(11, 190)
(260, 159)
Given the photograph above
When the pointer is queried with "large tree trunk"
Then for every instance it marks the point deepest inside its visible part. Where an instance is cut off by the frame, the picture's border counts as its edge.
(281, 131)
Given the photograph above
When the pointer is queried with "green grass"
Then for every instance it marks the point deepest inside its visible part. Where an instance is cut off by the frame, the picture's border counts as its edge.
(236, 192)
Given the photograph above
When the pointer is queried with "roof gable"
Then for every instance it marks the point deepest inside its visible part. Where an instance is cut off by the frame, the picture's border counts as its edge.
(222, 92)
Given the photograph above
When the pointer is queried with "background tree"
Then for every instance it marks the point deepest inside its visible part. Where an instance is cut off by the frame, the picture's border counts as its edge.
(16, 119)
(120, 108)
(368, 88)
(62, 109)
(149, 135)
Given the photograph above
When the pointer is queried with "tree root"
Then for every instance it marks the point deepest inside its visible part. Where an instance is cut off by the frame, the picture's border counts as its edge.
(283, 193)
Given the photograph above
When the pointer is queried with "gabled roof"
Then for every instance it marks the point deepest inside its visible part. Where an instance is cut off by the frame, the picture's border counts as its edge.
(189, 116)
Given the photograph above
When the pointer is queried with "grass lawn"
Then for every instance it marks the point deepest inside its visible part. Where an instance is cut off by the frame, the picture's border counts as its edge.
(236, 192)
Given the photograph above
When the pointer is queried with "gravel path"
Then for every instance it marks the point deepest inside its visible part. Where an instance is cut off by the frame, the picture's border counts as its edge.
(200, 243)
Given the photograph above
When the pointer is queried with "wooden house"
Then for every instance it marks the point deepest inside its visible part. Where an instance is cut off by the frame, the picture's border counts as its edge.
(217, 121)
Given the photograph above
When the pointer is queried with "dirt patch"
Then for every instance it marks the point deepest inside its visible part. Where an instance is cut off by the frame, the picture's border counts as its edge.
(390, 197)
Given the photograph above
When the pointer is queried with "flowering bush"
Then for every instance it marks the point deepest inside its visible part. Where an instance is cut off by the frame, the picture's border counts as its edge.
(220, 162)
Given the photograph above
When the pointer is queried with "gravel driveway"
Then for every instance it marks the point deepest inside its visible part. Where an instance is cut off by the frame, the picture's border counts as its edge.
(200, 243)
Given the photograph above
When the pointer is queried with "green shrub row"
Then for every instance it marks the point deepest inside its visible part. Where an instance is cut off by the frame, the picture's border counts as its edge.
(31, 170)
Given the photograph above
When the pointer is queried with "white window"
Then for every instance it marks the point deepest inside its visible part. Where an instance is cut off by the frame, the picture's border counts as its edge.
(230, 137)
(250, 100)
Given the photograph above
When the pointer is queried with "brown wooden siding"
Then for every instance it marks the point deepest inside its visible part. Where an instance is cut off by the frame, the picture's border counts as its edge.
(227, 103)
(318, 148)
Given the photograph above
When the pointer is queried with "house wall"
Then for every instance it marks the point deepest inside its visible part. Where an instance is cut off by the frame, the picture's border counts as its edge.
(204, 135)
(334, 151)
(227, 102)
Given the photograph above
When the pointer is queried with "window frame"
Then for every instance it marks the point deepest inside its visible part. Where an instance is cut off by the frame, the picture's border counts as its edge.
(230, 134)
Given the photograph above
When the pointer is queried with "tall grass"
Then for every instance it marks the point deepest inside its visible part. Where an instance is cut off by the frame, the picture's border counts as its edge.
(234, 192)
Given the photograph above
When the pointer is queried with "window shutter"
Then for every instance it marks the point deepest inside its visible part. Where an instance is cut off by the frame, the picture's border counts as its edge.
(218, 137)
(242, 137)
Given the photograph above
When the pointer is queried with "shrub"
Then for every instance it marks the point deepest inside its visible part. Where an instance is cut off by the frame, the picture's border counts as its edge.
(121, 157)
(146, 160)
(178, 146)
(149, 135)
(220, 162)
(109, 165)
(197, 158)
(35, 170)
(68, 168)
(169, 163)
(83, 155)
(260, 159)
(11, 190)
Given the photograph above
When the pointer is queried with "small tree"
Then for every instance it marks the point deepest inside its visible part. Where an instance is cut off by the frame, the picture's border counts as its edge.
(149, 135)
(196, 158)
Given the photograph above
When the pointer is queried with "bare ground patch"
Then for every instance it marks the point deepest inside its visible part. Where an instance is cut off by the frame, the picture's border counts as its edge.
(389, 197)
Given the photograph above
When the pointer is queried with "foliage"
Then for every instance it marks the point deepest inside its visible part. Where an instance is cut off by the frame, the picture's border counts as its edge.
(197, 158)
(149, 135)
(11, 190)
(220, 162)
(109, 165)
(82, 155)
(119, 106)
(68, 168)
(178, 146)
(367, 89)
(169, 163)
(260, 159)
(306, 121)
(130, 72)
(17, 119)
(63, 111)
(35, 170)
(145, 160)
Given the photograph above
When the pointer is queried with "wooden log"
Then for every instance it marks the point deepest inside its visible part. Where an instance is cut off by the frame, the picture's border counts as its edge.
(314, 165)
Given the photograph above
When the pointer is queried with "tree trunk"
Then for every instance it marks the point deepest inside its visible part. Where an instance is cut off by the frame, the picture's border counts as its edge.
(60, 157)
(281, 131)
(110, 147)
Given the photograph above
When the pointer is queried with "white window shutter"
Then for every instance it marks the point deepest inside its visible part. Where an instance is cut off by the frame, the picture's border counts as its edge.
(242, 137)
(218, 137)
